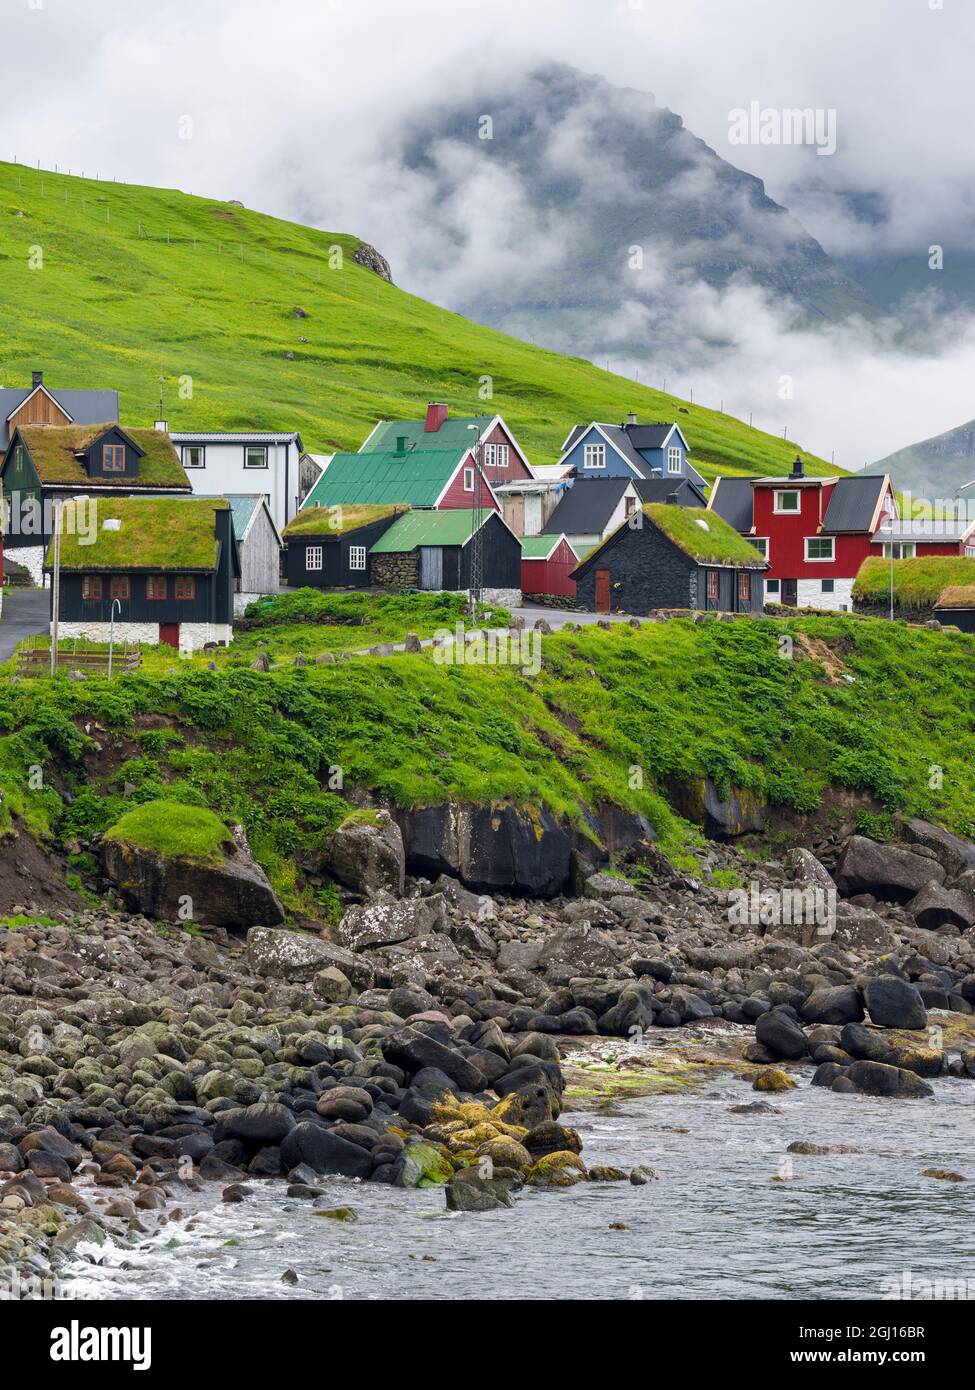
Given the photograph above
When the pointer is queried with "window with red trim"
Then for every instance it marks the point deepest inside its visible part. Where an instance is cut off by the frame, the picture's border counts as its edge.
(91, 586)
(184, 586)
(714, 584)
(745, 588)
(119, 587)
(156, 586)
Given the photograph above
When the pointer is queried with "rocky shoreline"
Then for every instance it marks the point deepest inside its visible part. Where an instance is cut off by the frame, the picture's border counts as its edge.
(428, 1043)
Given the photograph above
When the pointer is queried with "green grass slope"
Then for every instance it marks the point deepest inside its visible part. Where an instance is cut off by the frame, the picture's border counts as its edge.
(133, 284)
(677, 700)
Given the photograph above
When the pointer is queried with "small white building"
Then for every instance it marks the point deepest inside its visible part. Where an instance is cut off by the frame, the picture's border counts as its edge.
(259, 548)
(262, 462)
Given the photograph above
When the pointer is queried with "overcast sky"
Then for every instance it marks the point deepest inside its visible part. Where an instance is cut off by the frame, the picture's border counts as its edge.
(292, 104)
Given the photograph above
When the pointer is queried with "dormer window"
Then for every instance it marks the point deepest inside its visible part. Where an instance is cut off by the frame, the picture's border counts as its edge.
(113, 458)
(673, 459)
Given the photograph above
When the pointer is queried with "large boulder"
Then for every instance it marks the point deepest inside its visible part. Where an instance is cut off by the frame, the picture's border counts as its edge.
(581, 949)
(366, 853)
(223, 886)
(738, 812)
(886, 871)
(807, 871)
(837, 1004)
(278, 954)
(496, 848)
(324, 1152)
(861, 929)
(780, 1033)
(878, 1079)
(387, 924)
(954, 854)
(936, 906)
(414, 1049)
(895, 1003)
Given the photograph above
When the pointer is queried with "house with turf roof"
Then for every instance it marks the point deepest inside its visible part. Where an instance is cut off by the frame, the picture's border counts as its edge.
(41, 404)
(164, 568)
(259, 549)
(44, 465)
(329, 547)
(431, 550)
(666, 556)
(547, 563)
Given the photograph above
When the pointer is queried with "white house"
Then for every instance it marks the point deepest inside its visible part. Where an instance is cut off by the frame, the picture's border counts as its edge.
(252, 462)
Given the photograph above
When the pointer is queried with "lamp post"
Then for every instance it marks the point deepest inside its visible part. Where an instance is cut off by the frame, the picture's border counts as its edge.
(888, 530)
(55, 586)
(477, 563)
(116, 603)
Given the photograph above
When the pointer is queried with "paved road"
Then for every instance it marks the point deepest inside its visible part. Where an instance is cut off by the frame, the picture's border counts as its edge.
(25, 611)
(559, 616)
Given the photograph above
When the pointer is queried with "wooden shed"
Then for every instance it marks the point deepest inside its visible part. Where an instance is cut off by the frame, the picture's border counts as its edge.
(956, 607)
(329, 547)
(547, 563)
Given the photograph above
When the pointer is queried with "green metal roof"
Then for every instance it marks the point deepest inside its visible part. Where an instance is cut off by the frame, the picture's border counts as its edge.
(453, 527)
(452, 434)
(541, 547)
(381, 477)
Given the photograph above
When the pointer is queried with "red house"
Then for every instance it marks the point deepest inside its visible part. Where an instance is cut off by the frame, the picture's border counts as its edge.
(547, 563)
(814, 532)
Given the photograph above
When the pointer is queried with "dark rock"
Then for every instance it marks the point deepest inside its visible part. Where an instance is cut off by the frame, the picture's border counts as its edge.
(412, 1049)
(255, 1125)
(838, 1004)
(367, 855)
(894, 1003)
(323, 1152)
(467, 1190)
(885, 870)
(489, 848)
(936, 906)
(779, 1032)
(877, 1079)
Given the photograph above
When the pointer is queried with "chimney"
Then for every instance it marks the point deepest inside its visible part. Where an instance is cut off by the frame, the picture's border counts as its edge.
(631, 418)
(673, 499)
(36, 379)
(161, 425)
(436, 415)
(797, 468)
(401, 444)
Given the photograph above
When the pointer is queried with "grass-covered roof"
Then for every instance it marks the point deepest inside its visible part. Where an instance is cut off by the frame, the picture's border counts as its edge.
(918, 583)
(957, 596)
(54, 451)
(144, 533)
(702, 534)
(331, 522)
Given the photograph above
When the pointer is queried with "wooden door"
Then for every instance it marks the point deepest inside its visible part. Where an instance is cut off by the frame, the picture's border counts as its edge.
(790, 592)
(169, 634)
(431, 567)
(602, 591)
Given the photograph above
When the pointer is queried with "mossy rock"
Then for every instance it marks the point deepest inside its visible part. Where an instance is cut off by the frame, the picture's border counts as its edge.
(424, 1166)
(773, 1079)
(348, 1214)
(560, 1169)
(505, 1152)
(604, 1173)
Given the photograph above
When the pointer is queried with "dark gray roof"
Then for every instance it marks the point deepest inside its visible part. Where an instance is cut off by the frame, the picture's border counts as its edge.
(649, 436)
(663, 489)
(853, 503)
(587, 507)
(84, 407)
(731, 498)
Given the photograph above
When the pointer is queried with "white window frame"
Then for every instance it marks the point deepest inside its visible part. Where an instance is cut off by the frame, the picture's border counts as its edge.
(194, 448)
(673, 458)
(777, 506)
(313, 558)
(496, 455)
(357, 557)
(970, 550)
(761, 544)
(594, 456)
(820, 559)
(253, 449)
(903, 550)
(468, 480)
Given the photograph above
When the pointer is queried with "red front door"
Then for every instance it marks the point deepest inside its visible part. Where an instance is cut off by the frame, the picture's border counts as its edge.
(602, 591)
(169, 634)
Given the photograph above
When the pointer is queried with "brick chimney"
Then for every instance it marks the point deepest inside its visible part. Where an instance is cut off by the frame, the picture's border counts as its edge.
(36, 379)
(436, 415)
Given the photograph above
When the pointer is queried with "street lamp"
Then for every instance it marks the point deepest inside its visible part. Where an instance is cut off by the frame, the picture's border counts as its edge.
(116, 603)
(476, 557)
(888, 530)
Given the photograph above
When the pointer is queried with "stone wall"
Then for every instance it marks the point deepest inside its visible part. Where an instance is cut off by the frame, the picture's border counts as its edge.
(400, 571)
(192, 636)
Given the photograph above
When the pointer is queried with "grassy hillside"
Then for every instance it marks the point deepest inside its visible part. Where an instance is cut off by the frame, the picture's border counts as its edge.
(136, 284)
(677, 700)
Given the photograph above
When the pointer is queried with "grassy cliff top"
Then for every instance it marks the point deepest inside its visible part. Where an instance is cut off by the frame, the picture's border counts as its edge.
(253, 322)
(174, 828)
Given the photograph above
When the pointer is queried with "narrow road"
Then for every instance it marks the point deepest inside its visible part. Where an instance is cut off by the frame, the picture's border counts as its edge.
(25, 612)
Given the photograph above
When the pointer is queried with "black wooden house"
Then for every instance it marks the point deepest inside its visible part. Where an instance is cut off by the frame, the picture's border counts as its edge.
(330, 547)
(667, 556)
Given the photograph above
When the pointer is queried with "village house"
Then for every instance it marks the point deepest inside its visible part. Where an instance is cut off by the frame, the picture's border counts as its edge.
(666, 556)
(632, 450)
(431, 550)
(502, 459)
(259, 548)
(47, 464)
(38, 404)
(814, 532)
(547, 563)
(163, 567)
(243, 462)
(592, 509)
(329, 547)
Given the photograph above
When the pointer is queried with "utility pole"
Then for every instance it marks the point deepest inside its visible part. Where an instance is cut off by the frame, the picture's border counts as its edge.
(56, 587)
(477, 551)
(116, 603)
